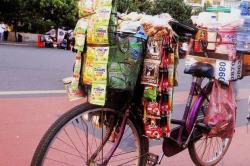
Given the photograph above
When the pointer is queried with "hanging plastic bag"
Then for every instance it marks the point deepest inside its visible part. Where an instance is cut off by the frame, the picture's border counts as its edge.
(220, 114)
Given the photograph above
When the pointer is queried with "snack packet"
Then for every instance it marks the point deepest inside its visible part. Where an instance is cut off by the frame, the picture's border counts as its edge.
(101, 54)
(102, 15)
(98, 94)
(80, 34)
(101, 3)
(100, 73)
(150, 92)
(86, 7)
(81, 26)
(150, 72)
(77, 69)
(88, 67)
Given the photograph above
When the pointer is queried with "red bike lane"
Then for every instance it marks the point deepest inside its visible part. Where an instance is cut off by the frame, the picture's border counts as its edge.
(24, 120)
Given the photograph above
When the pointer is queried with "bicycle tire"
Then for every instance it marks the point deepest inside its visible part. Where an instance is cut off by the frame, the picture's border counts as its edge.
(193, 151)
(53, 131)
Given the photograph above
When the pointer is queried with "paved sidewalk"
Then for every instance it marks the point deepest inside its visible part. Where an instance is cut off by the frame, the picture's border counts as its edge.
(24, 120)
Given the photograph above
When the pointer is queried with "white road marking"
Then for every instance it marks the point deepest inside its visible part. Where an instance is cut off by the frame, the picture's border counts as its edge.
(35, 92)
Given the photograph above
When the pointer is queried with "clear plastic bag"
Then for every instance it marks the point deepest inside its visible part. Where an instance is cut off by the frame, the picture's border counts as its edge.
(220, 114)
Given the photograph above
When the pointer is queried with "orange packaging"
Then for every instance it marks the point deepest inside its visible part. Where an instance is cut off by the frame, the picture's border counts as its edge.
(201, 35)
(246, 65)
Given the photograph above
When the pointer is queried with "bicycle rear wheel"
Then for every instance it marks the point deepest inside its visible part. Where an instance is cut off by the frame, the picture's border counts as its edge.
(85, 135)
(209, 150)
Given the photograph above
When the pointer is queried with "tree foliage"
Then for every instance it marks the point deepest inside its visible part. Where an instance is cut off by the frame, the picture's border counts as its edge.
(40, 15)
(134, 6)
(176, 8)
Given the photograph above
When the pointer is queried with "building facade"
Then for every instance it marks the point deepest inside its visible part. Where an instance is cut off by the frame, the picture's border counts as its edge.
(227, 3)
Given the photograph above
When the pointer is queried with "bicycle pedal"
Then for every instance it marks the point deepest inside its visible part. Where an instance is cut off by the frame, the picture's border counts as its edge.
(152, 159)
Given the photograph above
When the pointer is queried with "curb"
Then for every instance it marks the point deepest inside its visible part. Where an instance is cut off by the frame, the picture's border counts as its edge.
(18, 44)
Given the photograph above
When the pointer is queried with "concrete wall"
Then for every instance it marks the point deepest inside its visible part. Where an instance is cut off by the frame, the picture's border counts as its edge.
(27, 37)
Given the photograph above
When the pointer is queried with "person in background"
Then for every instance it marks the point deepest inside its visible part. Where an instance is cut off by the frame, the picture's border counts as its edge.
(6, 32)
(2, 29)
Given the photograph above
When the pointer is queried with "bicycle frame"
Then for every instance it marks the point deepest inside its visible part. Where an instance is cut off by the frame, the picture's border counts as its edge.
(187, 124)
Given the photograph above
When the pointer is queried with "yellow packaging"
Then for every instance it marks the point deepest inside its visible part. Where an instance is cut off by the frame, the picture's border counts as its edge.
(100, 34)
(97, 34)
(81, 26)
(101, 54)
(100, 73)
(102, 15)
(79, 42)
(98, 94)
(86, 7)
(88, 67)
(101, 3)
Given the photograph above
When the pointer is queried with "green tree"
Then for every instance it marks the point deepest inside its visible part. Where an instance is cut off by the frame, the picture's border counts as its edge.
(38, 15)
(134, 6)
(176, 8)
(59, 12)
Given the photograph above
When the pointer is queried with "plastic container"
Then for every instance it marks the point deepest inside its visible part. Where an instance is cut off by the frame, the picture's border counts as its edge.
(244, 5)
(243, 39)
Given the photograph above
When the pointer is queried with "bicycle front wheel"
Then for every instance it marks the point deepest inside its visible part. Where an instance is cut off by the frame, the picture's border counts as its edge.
(85, 135)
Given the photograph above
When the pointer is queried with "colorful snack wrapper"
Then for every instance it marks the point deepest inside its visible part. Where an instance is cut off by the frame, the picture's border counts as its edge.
(101, 54)
(86, 7)
(150, 92)
(98, 94)
(98, 34)
(102, 3)
(102, 15)
(100, 73)
(81, 26)
(76, 76)
(79, 42)
(150, 72)
(88, 69)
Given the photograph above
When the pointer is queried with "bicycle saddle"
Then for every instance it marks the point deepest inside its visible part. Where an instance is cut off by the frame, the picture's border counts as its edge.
(181, 28)
(199, 69)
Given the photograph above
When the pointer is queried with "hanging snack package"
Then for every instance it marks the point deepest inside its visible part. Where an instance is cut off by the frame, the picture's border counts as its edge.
(100, 34)
(101, 54)
(154, 49)
(102, 3)
(73, 90)
(88, 66)
(150, 72)
(80, 34)
(150, 93)
(102, 15)
(100, 73)
(98, 94)
(97, 34)
(86, 7)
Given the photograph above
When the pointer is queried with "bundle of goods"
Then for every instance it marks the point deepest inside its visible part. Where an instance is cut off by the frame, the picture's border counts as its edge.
(97, 23)
(159, 70)
(113, 56)
(220, 42)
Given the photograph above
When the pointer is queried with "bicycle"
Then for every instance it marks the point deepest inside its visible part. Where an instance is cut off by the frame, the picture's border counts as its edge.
(115, 135)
